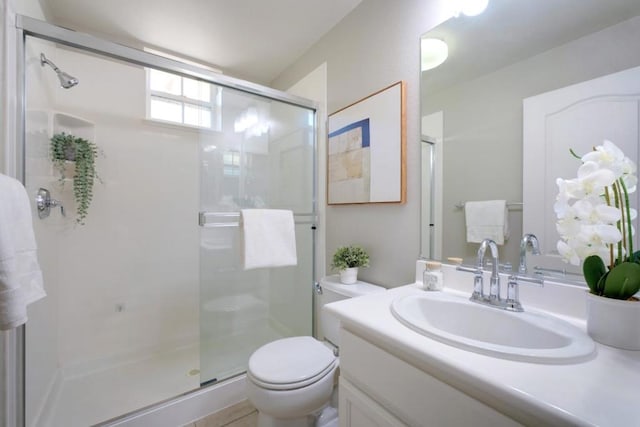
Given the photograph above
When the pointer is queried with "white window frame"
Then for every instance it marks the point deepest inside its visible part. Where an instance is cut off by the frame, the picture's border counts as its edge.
(215, 97)
(214, 105)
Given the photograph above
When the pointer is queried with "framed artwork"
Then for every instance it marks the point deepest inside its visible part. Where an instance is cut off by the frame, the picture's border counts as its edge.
(366, 150)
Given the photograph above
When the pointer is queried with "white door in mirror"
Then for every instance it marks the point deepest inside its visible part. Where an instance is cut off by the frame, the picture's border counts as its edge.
(577, 117)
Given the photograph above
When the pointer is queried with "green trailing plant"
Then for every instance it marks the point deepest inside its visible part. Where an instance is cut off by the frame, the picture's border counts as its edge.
(349, 257)
(67, 147)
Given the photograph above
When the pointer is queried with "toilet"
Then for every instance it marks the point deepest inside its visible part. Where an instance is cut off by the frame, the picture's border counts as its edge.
(291, 381)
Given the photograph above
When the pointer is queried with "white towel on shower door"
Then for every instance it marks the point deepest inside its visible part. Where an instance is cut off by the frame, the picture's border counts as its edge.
(20, 275)
(268, 237)
(487, 220)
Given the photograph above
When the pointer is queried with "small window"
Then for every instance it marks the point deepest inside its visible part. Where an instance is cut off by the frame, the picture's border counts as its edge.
(182, 100)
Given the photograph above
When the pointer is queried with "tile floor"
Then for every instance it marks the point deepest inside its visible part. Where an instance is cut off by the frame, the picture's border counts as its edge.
(242, 414)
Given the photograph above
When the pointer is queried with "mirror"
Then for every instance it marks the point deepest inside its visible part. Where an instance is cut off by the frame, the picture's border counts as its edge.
(472, 104)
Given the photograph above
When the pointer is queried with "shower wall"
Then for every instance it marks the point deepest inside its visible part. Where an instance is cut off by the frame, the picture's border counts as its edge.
(142, 227)
(125, 285)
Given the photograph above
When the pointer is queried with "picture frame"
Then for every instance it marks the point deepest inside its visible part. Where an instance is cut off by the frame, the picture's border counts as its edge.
(366, 150)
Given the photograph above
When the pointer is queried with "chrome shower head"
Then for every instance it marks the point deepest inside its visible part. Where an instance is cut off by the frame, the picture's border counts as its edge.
(66, 81)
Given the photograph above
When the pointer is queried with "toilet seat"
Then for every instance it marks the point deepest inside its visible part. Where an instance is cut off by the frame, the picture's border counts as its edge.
(290, 363)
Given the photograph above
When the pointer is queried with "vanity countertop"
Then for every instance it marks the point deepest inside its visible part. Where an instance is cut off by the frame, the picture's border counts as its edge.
(603, 391)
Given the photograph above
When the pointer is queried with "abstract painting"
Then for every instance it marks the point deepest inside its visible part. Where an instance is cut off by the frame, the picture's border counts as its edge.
(366, 150)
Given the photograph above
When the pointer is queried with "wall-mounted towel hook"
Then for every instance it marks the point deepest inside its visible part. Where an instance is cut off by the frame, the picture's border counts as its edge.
(44, 202)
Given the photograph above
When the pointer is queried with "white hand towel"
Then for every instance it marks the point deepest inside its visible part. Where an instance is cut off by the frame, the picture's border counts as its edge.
(487, 220)
(20, 275)
(269, 238)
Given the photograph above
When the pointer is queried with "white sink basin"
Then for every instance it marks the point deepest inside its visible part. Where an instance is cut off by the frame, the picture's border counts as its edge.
(526, 336)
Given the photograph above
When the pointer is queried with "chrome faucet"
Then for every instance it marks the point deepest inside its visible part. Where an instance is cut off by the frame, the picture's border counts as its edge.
(512, 301)
(478, 281)
(528, 240)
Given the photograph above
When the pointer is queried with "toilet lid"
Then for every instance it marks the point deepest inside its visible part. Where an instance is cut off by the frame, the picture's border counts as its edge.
(291, 361)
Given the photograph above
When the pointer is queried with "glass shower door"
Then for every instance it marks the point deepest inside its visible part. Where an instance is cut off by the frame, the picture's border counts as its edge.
(143, 304)
(262, 157)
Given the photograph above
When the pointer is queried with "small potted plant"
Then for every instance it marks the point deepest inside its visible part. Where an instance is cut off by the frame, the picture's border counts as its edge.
(69, 148)
(346, 260)
(595, 226)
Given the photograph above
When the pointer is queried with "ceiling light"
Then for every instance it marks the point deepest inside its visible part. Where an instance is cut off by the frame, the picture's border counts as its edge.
(433, 53)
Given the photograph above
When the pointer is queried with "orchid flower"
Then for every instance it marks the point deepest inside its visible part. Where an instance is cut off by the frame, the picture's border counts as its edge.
(593, 216)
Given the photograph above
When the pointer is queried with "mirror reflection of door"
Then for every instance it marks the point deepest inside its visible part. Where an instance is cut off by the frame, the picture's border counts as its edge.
(431, 182)
(581, 116)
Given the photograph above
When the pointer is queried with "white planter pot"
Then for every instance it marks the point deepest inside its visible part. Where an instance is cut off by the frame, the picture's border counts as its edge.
(349, 276)
(614, 322)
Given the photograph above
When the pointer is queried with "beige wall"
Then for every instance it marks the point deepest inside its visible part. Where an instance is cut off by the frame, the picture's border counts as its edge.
(32, 8)
(374, 46)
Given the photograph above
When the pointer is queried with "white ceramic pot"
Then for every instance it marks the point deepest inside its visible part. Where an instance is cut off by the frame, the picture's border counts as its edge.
(614, 322)
(349, 276)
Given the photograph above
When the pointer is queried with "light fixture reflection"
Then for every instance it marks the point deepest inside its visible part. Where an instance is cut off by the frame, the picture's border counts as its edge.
(251, 122)
(469, 7)
(433, 53)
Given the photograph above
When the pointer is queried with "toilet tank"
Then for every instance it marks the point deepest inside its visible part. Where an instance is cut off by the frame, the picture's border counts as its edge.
(333, 290)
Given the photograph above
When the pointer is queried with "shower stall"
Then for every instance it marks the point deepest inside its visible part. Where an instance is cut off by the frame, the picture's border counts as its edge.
(148, 299)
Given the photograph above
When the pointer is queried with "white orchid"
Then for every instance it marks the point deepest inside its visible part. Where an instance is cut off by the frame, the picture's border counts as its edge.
(607, 156)
(568, 253)
(593, 216)
(592, 180)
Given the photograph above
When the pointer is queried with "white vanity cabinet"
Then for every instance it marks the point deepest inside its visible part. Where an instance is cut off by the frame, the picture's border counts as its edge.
(378, 388)
(359, 410)
(391, 375)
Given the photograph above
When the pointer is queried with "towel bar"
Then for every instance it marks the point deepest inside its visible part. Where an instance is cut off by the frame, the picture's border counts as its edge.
(204, 219)
(510, 205)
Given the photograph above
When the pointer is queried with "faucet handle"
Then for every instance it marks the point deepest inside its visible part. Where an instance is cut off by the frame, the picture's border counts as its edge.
(533, 280)
(478, 286)
(478, 281)
(467, 269)
(513, 290)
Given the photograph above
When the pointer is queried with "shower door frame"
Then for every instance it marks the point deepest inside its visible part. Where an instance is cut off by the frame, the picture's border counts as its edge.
(26, 26)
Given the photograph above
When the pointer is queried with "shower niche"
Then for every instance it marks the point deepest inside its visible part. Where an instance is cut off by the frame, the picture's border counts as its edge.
(40, 126)
(62, 122)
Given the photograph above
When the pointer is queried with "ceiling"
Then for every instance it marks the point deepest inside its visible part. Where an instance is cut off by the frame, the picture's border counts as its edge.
(253, 40)
(510, 31)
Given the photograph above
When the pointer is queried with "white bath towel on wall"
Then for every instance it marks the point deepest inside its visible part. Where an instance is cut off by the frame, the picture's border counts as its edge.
(20, 275)
(487, 220)
(268, 237)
